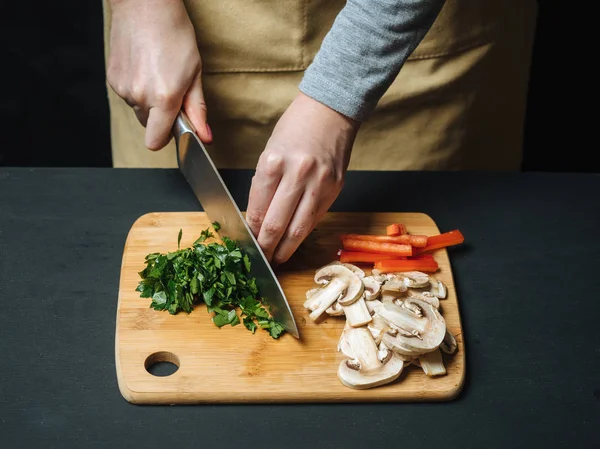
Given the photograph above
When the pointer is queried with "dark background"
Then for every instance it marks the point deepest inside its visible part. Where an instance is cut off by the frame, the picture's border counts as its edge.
(54, 112)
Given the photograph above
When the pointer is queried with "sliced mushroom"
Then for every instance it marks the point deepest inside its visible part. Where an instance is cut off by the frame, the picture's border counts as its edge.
(413, 279)
(356, 270)
(343, 345)
(335, 309)
(379, 276)
(341, 285)
(372, 288)
(366, 370)
(432, 363)
(449, 345)
(312, 303)
(434, 288)
(437, 288)
(373, 305)
(357, 313)
(420, 326)
(377, 327)
(384, 354)
(425, 296)
(392, 289)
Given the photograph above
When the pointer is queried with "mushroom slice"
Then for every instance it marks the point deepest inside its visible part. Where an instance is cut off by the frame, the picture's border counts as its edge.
(357, 313)
(432, 363)
(435, 288)
(335, 309)
(392, 289)
(404, 358)
(390, 340)
(312, 303)
(343, 345)
(373, 305)
(366, 370)
(413, 279)
(377, 327)
(384, 354)
(372, 288)
(449, 345)
(356, 270)
(425, 296)
(341, 285)
(421, 328)
(379, 276)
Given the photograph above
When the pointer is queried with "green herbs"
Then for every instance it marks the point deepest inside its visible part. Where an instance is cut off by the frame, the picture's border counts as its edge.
(214, 273)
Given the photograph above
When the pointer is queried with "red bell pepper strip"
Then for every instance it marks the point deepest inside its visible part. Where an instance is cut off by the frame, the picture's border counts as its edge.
(394, 266)
(369, 246)
(443, 241)
(423, 256)
(396, 229)
(418, 241)
(358, 256)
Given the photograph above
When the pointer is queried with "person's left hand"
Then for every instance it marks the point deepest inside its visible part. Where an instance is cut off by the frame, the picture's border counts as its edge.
(299, 175)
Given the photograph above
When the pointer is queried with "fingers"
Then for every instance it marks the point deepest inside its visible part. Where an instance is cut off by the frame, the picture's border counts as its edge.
(195, 108)
(278, 215)
(264, 185)
(314, 204)
(141, 114)
(158, 127)
(301, 224)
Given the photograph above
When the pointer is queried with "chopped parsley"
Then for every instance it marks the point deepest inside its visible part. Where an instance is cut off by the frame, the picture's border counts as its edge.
(217, 274)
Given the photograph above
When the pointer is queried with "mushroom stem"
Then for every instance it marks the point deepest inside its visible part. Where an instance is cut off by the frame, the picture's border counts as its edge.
(449, 345)
(326, 297)
(357, 313)
(364, 348)
(312, 300)
(432, 363)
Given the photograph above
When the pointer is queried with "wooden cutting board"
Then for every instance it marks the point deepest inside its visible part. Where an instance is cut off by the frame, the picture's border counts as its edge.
(230, 364)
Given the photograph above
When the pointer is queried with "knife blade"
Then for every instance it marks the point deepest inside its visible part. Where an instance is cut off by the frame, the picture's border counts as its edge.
(201, 174)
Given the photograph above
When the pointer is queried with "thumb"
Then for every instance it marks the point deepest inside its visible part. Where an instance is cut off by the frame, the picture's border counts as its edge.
(195, 108)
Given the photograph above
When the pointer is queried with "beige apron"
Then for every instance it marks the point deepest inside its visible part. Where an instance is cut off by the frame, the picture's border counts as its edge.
(458, 102)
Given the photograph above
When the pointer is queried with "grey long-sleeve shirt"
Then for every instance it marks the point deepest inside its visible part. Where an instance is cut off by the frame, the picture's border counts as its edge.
(364, 51)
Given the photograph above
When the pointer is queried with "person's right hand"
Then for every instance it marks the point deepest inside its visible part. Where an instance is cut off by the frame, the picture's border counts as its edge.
(154, 65)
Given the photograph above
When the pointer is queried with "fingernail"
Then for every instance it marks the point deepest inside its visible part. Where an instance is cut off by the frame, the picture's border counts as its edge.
(208, 130)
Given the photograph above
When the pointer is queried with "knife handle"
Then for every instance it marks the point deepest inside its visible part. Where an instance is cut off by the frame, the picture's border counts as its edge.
(182, 125)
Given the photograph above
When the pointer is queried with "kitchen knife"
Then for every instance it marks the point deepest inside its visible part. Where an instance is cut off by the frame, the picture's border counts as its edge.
(212, 193)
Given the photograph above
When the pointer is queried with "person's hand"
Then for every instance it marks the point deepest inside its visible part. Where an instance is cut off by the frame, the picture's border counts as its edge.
(299, 175)
(154, 65)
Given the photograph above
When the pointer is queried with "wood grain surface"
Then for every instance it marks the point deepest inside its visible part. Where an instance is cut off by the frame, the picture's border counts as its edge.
(230, 364)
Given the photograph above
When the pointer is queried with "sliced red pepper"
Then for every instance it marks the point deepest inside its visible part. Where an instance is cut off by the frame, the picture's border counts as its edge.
(358, 256)
(418, 241)
(396, 229)
(369, 246)
(444, 240)
(394, 266)
(423, 256)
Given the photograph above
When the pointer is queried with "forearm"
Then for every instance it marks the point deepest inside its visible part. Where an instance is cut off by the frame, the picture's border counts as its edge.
(364, 51)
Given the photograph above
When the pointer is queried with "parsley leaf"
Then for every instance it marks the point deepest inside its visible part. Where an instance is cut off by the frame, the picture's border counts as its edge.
(217, 274)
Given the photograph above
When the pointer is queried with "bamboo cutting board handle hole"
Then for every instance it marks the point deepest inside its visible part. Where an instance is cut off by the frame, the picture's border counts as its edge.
(161, 364)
